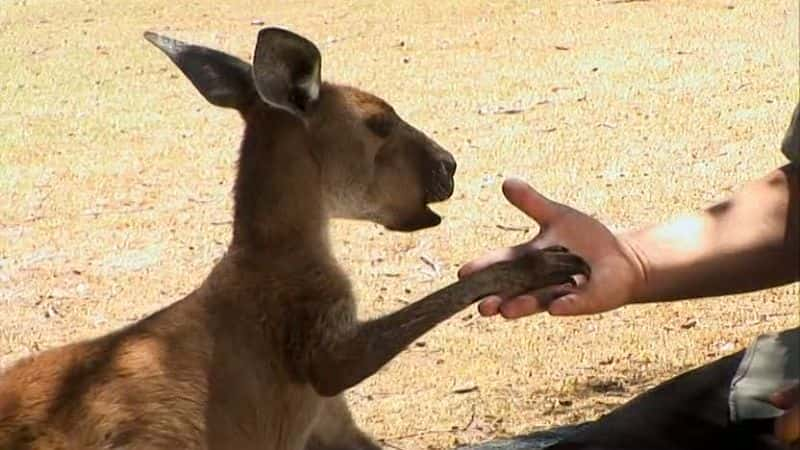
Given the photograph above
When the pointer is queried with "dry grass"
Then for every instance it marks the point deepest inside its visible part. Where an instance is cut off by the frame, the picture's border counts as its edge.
(115, 176)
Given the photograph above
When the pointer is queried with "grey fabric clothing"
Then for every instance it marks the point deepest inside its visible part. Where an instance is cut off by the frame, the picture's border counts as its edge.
(791, 141)
(770, 364)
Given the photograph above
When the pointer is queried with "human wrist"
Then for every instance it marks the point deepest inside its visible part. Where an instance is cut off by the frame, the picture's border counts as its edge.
(632, 248)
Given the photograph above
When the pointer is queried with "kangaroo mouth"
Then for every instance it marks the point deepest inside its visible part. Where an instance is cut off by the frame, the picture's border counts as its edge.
(425, 218)
(437, 190)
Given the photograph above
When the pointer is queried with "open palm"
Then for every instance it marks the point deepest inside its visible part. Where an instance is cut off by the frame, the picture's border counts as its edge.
(616, 269)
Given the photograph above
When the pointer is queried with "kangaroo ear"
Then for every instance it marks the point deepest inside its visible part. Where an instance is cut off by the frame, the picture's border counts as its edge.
(223, 79)
(286, 70)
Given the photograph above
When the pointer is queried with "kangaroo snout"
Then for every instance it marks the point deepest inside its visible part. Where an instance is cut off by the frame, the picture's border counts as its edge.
(441, 169)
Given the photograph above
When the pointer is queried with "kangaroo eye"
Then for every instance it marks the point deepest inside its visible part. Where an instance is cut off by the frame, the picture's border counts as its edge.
(380, 124)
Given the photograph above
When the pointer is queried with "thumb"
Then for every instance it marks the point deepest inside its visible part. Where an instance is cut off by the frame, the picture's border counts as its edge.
(538, 207)
(787, 398)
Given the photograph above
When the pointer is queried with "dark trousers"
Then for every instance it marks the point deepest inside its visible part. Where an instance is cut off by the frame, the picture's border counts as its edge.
(688, 412)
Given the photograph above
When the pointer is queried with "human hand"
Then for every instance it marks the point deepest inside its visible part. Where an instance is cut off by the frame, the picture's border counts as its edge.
(616, 269)
(787, 426)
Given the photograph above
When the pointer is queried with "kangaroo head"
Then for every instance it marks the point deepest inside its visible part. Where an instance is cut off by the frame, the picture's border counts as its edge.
(372, 165)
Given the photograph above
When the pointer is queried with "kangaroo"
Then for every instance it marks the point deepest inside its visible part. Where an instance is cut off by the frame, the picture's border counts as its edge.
(257, 357)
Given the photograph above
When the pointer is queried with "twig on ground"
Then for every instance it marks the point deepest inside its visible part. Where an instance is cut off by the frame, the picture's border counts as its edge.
(513, 228)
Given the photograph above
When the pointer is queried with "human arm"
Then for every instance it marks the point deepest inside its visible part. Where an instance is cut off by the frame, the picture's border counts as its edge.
(745, 243)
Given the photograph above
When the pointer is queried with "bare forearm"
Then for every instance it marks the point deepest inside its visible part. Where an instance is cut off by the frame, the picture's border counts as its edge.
(745, 243)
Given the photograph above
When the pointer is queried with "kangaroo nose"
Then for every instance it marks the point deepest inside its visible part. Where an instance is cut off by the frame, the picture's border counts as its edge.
(449, 164)
(439, 182)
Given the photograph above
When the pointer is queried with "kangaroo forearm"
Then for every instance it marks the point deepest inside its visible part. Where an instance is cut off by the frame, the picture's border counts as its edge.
(379, 340)
(360, 354)
(745, 243)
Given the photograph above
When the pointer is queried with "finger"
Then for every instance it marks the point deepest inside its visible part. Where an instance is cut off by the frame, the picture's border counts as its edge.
(489, 306)
(533, 302)
(580, 302)
(538, 207)
(786, 398)
(524, 305)
(787, 427)
(493, 257)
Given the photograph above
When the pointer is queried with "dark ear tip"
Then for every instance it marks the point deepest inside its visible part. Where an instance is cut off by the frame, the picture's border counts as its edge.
(282, 34)
(151, 37)
(166, 44)
(274, 31)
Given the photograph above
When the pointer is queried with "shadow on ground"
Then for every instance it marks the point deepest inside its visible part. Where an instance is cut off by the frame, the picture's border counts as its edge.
(534, 441)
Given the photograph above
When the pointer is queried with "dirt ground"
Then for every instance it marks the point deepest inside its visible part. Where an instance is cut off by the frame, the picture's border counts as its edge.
(115, 177)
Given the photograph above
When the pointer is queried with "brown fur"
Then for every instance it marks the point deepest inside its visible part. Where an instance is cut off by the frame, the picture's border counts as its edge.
(258, 356)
